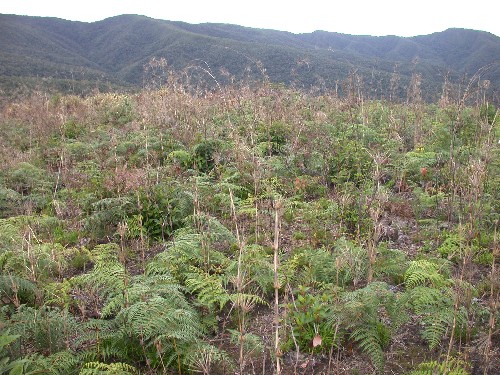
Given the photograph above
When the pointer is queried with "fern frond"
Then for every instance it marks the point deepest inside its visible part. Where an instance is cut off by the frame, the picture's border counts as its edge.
(141, 288)
(374, 293)
(179, 254)
(186, 249)
(216, 230)
(60, 363)
(208, 288)
(108, 274)
(423, 272)
(351, 261)
(246, 301)
(12, 286)
(92, 332)
(161, 318)
(105, 253)
(202, 357)
(10, 235)
(439, 321)
(369, 341)
(453, 366)
(251, 343)
(117, 368)
(247, 206)
(257, 267)
(392, 263)
(310, 266)
(435, 328)
(423, 298)
(436, 308)
(6, 339)
(372, 314)
(45, 328)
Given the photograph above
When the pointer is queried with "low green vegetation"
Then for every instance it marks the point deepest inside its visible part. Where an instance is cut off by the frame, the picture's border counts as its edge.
(250, 230)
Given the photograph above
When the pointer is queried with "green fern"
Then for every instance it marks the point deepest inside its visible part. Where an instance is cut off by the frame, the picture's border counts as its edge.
(165, 326)
(186, 249)
(210, 225)
(162, 319)
(42, 261)
(423, 297)
(351, 262)
(436, 311)
(15, 367)
(438, 321)
(246, 301)
(16, 289)
(107, 278)
(45, 329)
(208, 288)
(309, 267)
(431, 298)
(435, 328)
(371, 342)
(204, 358)
(255, 267)
(373, 313)
(10, 235)
(60, 363)
(107, 213)
(103, 339)
(141, 288)
(391, 263)
(183, 251)
(453, 366)
(424, 272)
(247, 206)
(99, 368)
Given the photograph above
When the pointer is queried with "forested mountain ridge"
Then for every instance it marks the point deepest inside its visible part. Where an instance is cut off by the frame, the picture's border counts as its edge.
(116, 50)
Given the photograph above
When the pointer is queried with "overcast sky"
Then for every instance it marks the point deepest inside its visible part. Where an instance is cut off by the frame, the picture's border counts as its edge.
(359, 17)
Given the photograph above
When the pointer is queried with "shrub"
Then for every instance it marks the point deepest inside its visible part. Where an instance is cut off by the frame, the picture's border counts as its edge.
(308, 317)
(272, 139)
(204, 155)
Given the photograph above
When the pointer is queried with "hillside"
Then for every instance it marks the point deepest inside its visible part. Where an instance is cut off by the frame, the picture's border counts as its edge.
(114, 51)
(251, 230)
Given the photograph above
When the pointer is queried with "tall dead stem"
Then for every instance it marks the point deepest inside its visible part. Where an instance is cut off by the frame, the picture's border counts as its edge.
(239, 288)
(277, 218)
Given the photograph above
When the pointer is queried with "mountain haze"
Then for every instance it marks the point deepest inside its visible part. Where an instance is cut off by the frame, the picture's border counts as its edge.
(115, 51)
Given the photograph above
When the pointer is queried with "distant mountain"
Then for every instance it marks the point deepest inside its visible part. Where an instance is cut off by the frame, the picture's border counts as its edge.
(114, 52)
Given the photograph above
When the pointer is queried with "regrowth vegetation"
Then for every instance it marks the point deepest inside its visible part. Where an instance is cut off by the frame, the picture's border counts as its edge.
(254, 230)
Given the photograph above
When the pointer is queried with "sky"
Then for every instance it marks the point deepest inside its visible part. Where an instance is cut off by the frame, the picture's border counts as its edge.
(357, 17)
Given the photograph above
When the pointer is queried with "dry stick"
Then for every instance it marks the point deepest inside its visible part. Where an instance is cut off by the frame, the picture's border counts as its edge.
(493, 304)
(198, 224)
(375, 211)
(239, 284)
(59, 169)
(141, 231)
(255, 187)
(331, 348)
(454, 325)
(278, 204)
(178, 357)
(264, 362)
(240, 245)
(297, 349)
(158, 351)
